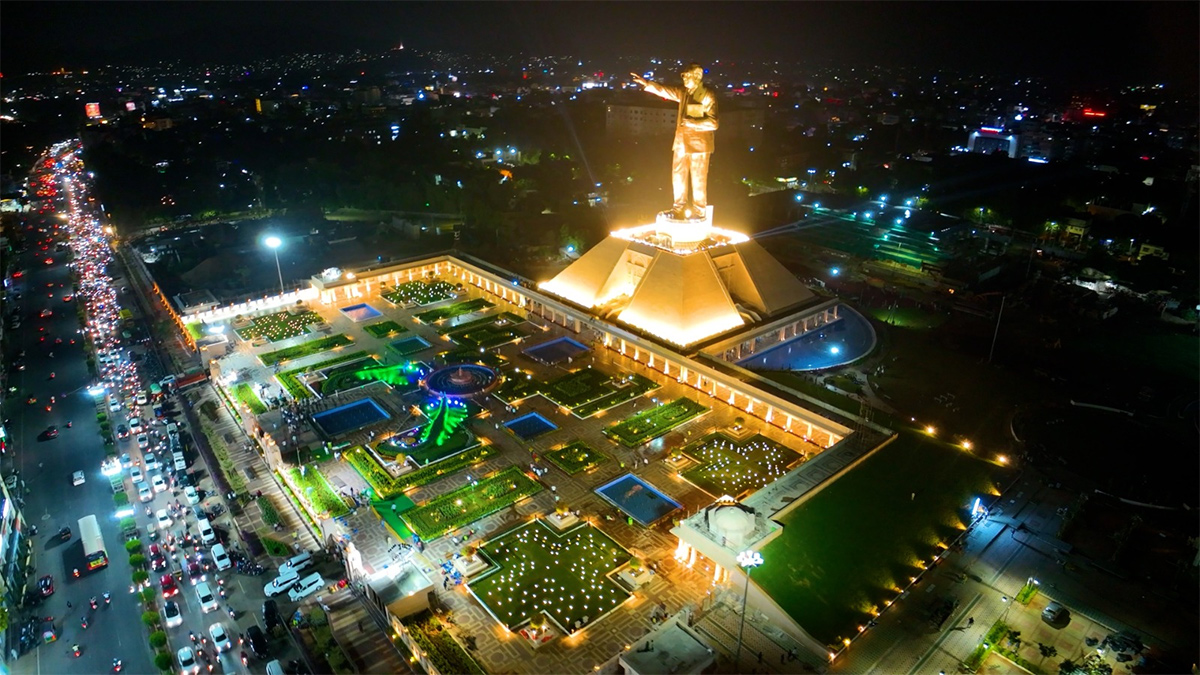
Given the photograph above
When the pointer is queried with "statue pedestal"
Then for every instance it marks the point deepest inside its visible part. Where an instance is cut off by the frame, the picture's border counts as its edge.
(683, 232)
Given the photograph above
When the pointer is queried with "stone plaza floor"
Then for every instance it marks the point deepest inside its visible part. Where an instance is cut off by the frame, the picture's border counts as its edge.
(673, 589)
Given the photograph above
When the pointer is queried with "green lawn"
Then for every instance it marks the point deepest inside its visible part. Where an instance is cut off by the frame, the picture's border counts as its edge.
(729, 467)
(487, 337)
(305, 349)
(420, 292)
(541, 571)
(517, 386)
(847, 550)
(468, 355)
(194, 329)
(244, 393)
(290, 382)
(279, 326)
(384, 329)
(575, 457)
(908, 317)
(403, 376)
(451, 311)
(655, 422)
(386, 486)
(409, 346)
(311, 486)
(584, 392)
(508, 317)
(469, 503)
(577, 388)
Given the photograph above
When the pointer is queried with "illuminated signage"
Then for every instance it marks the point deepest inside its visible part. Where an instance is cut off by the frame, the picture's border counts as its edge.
(92, 110)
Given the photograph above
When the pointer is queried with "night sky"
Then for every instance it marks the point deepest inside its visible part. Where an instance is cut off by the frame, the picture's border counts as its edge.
(1072, 42)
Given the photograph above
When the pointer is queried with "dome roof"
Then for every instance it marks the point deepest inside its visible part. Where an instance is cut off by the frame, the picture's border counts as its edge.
(732, 522)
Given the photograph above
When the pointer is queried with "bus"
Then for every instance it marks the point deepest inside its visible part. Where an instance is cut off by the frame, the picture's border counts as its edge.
(93, 543)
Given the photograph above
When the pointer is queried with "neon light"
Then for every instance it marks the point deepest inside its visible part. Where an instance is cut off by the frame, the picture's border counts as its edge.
(1088, 112)
(991, 130)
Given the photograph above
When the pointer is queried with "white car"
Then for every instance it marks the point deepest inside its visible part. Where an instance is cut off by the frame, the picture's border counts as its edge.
(306, 587)
(208, 601)
(135, 474)
(173, 615)
(141, 398)
(280, 584)
(135, 423)
(187, 661)
(150, 461)
(143, 441)
(220, 636)
(145, 494)
(180, 462)
(191, 495)
(207, 536)
(162, 519)
(157, 482)
(114, 404)
(77, 478)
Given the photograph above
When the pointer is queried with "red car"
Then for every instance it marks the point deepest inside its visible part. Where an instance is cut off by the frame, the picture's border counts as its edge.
(157, 560)
(168, 586)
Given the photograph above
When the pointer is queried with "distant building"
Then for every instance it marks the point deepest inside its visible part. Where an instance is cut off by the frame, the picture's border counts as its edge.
(990, 140)
(1152, 251)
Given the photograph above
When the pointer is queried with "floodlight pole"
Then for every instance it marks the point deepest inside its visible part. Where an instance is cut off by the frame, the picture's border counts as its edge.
(747, 560)
(996, 333)
(278, 271)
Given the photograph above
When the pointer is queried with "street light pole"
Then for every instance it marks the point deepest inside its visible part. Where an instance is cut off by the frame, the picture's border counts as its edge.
(747, 560)
(996, 333)
(274, 243)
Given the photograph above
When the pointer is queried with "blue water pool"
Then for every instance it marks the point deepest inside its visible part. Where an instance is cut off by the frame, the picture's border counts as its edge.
(847, 339)
(556, 351)
(641, 500)
(362, 312)
(350, 417)
(409, 345)
(530, 426)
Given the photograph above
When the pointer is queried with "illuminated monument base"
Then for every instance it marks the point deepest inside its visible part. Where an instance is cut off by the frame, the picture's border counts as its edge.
(682, 281)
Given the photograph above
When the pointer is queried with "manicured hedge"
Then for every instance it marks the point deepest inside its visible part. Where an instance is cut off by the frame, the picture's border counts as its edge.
(445, 512)
(289, 381)
(312, 486)
(439, 646)
(387, 487)
(654, 422)
(305, 349)
(384, 329)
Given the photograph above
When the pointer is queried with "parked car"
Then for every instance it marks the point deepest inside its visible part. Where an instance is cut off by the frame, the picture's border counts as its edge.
(306, 587)
(1054, 613)
(257, 640)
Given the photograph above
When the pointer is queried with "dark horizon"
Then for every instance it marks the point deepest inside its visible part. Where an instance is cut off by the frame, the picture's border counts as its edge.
(1097, 44)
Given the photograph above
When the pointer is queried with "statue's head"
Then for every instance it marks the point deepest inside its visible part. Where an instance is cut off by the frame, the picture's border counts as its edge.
(692, 75)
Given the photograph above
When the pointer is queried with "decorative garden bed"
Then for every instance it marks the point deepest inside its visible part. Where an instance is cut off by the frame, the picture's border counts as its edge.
(650, 424)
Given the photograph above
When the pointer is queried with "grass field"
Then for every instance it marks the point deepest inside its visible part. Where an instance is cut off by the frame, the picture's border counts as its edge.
(728, 467)
(655, 422)
(451, 311)
(304, 349)
(290, 381)
(575, 457)
(889, 514)
(384, 329)
(244, 393)
(562, 576)
(278, 326)
(469, 503)
(420, 292)
(386, 486)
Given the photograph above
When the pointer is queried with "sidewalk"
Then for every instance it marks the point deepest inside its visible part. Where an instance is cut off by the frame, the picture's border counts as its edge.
(295, 529)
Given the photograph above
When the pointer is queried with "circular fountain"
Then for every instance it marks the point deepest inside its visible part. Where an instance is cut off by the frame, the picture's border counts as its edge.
(461, 380)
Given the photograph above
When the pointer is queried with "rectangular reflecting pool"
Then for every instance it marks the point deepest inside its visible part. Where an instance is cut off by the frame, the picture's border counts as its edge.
(409, 345)
(530, 426)
(640, 500)
(361, 312)
(350, 417)
(556, 351)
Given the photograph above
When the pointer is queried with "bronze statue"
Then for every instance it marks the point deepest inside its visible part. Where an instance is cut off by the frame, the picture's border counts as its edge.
(694, 126)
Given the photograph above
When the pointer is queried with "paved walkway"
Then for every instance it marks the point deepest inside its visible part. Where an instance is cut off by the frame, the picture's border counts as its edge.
(361, 636)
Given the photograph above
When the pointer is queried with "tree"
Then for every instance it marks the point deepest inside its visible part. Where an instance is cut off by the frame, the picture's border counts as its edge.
(1047, 651)
(162, 661)
(140, 577)
(151, 619)
(158, 639)
(3, 617)
(137, 560)
(133, 546)
(148, 595)
(1013, 637)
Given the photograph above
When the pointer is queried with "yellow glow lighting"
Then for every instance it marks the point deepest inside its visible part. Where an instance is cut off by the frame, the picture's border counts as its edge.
(682, 336)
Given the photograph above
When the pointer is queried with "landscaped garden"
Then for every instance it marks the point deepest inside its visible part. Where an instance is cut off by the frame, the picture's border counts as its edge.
(310, 485)
(384, 329)
(729, 467)
(439, 646)
(305, 349)
(469, 503)
(451, 311)
(920, 493)
(409, 345)
(655, 422)
(505, 317)
(468, 355)
(386, 487)
(443, 433)
(290, 380)
(541, 571)
(278, 326)
(584, 392)
(486, 337)
(420, 292)
(403, 376)
(575, 457)
(244, 393)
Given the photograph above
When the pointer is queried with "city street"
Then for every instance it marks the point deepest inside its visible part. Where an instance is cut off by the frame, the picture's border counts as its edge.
(51, 501)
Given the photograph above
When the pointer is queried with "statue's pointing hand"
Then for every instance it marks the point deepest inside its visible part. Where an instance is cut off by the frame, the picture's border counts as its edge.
(639, 80)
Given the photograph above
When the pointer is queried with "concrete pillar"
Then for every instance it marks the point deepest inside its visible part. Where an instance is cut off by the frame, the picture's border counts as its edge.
(809, 433)
(577, 326)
